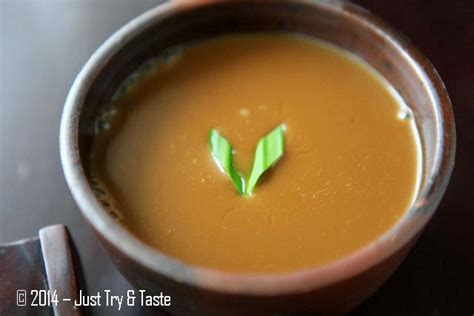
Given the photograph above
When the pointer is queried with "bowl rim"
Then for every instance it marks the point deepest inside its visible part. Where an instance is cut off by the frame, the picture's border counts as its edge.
(256, 283)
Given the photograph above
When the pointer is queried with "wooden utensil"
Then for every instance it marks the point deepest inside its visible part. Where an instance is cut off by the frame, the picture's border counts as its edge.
(36, 270)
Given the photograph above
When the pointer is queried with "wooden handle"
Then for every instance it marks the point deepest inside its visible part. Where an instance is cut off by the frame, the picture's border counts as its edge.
(60, 269)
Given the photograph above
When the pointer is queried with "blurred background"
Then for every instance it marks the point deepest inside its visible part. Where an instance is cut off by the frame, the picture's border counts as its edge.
(43, 45)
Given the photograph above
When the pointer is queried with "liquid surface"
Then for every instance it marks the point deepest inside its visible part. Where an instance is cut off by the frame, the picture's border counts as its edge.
(349, 171)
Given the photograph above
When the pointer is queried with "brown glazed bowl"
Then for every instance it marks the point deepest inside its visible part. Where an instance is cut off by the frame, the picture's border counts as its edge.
(334, 288)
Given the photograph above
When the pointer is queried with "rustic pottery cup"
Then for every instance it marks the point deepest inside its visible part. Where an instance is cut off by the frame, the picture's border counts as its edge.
(334, 288)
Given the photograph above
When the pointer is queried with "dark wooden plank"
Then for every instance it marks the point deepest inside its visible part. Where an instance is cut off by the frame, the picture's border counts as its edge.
(21, 270)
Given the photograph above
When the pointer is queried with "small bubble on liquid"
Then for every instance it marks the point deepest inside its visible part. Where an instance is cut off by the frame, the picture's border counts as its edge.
(244, 112)
(404, 114)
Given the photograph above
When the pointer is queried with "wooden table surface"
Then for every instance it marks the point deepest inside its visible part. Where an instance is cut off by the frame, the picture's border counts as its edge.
(43, 45)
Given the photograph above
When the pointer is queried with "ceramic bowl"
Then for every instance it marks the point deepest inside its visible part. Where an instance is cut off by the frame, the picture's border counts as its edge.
(334, 288)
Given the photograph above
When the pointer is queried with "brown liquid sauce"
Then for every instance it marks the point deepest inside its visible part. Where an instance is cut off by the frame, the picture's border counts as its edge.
(349, 173)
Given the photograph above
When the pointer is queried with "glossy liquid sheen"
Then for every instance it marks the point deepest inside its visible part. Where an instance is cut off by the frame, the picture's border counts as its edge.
(349, 173)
